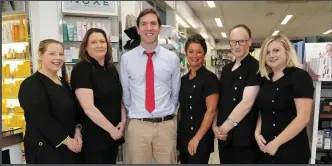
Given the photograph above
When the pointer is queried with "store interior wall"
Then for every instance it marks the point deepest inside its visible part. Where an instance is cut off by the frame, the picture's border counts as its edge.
(44, 24)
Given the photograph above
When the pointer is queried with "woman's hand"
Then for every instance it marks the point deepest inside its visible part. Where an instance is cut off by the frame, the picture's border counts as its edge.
(272, 147)
(115, 133)
(72, 144)
(78, 138)
(192, 146)
(121, 126)
(261, 142)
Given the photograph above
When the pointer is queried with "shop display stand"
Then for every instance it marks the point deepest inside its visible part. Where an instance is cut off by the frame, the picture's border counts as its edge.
(16, 66)
(323, 91)
(80, 23)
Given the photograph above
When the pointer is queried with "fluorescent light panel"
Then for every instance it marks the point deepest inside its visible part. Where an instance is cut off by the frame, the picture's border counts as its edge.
(275, 33)
(218, 21)
(180, 21)
(286, 19)
(211, 4)
(327, 32)
(223, 34)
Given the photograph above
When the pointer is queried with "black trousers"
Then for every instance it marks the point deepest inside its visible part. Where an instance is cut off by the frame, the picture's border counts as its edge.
(237, 155)
(101, 157)
(198, 158)
(61, 155)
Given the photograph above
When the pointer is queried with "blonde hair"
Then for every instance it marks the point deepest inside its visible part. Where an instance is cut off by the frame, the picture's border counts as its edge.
(292, 60)
(43, 47)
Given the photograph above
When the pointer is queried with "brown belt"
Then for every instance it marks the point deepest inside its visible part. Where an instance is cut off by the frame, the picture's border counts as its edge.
(157, 120)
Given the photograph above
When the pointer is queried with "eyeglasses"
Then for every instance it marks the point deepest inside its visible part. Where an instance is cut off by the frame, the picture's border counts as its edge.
(241, 42)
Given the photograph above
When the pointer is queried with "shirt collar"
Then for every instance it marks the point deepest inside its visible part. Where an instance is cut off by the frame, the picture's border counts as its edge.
(142, 50)
(96, 63)
(199, 71)
(286, 71)
(246, 59)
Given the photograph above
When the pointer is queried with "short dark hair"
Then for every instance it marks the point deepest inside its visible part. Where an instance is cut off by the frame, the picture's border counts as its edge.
(148, 11)
(198, 39)
(83, 55)
(242, 26)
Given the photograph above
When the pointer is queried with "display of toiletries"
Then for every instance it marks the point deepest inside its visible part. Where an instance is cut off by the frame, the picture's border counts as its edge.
(71, 54)
(14, 31)
(76, 31)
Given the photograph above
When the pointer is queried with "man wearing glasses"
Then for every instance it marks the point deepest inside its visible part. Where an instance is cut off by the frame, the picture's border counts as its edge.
(235, 122)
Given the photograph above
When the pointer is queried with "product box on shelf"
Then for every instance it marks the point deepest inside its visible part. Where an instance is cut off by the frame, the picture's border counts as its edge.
(318, 60)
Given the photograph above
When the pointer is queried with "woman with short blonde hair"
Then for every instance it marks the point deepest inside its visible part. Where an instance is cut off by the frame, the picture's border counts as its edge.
(284, 102)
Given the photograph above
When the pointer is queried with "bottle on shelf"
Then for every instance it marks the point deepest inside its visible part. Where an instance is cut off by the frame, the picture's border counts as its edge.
(21, 30)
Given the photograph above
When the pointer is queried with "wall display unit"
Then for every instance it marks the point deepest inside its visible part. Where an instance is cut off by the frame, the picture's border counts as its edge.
(78, 17)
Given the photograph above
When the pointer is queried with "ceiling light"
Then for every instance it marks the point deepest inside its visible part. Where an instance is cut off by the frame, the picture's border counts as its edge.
(211, 4)
(218, 21)
(275, 33)
(223, 34)
(287, 18)
(180, 21)
(327, 32)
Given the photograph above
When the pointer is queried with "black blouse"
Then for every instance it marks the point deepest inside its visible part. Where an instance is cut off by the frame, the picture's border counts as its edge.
(107, 90)
(232, 84)
(193, 107)
(276, 105)
(50, 111)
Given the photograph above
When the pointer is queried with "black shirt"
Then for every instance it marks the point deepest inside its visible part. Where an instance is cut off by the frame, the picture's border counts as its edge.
(107, 91)
(276, 104)
(232, 84)
(193, 107)
(50, 112)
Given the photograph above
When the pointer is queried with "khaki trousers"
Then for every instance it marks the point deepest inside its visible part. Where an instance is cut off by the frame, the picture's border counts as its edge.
(145, 140)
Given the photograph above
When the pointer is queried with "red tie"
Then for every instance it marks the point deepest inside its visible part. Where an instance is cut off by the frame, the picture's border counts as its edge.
(149, 91)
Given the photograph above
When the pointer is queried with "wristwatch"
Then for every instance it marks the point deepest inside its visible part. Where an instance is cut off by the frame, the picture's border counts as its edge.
(232, 122)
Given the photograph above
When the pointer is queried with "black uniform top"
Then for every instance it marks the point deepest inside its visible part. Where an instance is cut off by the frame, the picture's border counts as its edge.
(50, 112)
(107, 91)
(193, 107)
(232, 84)
(276, 104)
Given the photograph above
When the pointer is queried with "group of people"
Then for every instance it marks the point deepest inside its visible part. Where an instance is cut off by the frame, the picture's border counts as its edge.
(258, 110)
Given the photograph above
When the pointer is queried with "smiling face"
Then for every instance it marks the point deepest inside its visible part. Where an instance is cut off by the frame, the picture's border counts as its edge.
(97, 45)
(149, 28)
(195, 55)
(276, 55)
(53, 57)
(239, 42)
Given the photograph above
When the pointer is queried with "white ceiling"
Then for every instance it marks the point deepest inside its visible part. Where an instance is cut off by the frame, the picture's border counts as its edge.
(310, 18)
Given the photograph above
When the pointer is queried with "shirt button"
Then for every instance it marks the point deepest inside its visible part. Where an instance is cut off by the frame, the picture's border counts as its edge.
(192, 128)
(273, 112)
(234, 99)
(40, 144)
(274, 124)
(277, 89)
(194, 86)
(235, 88)
(240, 77)
(191, 107)
(189, 96)
(191, 117)
(272, 101)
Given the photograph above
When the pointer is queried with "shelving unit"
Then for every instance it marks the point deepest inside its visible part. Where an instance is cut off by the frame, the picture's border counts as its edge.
(323, 96)
(76, 23)
(16, 66)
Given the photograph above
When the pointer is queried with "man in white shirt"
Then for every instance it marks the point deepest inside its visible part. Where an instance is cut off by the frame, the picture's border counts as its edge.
(150, 77)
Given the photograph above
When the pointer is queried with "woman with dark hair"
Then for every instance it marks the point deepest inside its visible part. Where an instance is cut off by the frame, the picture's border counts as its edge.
(198, 102)
(96, 84)
(50, 111)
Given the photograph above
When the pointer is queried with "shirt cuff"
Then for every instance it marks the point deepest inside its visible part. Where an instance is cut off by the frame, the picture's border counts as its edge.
(63, 141)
